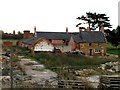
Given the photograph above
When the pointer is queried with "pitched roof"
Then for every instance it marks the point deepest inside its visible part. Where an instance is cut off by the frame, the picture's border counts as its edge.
(50, 35)
(29, 40)
(32, 40)
(83, 36)
(89, 36)
(54, 35)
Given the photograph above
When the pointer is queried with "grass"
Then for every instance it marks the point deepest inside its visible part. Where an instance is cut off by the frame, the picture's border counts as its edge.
(67, 60)
(60, 63)
(109, 45)
(113, 50)
(63, 60)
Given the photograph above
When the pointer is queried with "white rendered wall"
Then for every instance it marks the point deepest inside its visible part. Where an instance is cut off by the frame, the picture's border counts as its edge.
(43, 46)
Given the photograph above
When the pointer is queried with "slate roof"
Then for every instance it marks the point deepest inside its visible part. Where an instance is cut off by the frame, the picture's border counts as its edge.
(54, 35)
(33, 40)
(90, 37)
(48, 35)
(30, 40)
(84, 36)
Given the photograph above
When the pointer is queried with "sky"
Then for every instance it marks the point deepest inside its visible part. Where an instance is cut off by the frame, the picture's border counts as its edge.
(52, 15)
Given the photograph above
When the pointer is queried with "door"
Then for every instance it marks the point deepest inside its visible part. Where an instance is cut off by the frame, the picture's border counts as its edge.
(90, 52)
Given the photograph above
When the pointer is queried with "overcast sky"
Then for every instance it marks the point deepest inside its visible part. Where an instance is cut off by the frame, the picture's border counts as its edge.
(51, 15)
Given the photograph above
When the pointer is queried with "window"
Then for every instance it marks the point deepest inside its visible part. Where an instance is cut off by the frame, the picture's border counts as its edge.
(97, 50)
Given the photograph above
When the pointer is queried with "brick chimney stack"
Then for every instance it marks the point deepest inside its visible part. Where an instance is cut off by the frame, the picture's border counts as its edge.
(88, 29)
(102, 29)
(35, 31)
(26, 34)
(66, 30)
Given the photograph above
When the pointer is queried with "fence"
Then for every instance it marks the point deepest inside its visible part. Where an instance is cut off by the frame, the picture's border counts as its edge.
(61, 84)
(110, 81)
(71, 84)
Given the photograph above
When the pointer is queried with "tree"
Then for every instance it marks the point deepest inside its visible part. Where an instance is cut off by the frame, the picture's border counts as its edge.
(19, 33)
(95, 20)
(118, 31)
(114, 37)
(13, 32)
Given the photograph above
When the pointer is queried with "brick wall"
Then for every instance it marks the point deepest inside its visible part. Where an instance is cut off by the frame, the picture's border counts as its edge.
(72, 44)
(29, 46)
(95, 48)
(27, 34)
(7, 44)
(57, 42)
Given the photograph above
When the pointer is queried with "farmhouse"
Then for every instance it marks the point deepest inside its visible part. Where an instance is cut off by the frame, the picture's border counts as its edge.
(89, 43)
(86, 42)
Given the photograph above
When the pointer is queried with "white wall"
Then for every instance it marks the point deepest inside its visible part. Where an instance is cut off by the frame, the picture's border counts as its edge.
(43, 46)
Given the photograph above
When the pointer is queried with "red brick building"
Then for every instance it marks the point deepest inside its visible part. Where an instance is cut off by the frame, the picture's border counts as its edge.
(7, 44)
(87, 42)
(27, 34)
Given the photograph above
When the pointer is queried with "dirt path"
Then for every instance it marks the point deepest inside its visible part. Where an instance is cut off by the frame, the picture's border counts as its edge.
(37, 76)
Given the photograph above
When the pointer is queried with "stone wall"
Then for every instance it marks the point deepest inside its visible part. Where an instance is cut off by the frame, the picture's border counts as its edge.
(95, 48)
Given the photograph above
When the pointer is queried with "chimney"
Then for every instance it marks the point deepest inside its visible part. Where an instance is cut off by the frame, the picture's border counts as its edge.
(80, 30)
(102, 29)
(35, 31)
(66, 30)
(88, 29)
(26, 34)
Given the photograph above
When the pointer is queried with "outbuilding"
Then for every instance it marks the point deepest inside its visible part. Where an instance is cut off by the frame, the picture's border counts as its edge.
(7, 44)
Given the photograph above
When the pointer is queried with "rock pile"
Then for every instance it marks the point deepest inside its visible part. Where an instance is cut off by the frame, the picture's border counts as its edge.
(84, 72)
(110, 67)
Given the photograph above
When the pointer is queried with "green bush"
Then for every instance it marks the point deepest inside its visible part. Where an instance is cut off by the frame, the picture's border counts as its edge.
(114, 51)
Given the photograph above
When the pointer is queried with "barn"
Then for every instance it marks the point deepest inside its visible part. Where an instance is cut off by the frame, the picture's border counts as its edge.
(43, 45)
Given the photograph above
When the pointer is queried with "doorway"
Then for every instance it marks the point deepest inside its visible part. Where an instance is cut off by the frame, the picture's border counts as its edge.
(90, 52)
